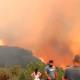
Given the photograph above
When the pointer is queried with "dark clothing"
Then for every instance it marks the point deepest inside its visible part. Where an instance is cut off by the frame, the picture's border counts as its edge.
(72, 73)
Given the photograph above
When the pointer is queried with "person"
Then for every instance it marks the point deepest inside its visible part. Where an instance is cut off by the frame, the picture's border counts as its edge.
(36, 74)
(73, 72)
(50, 70)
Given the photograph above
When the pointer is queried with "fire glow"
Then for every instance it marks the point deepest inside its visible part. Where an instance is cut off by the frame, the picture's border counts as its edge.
(42, 60)
(2, 43)
(31, 24)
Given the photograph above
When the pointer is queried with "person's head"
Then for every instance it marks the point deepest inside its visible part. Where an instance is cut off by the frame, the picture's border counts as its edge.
(36, 70)
(51, 62)
(76, 60)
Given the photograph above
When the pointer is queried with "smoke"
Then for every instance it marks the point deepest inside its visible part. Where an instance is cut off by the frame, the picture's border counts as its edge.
(22, 22)
(35, 24)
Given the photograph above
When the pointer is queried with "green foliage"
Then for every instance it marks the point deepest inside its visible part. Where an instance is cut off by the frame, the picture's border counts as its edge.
(18, 73)
(60, 73)
(22, 76)
(15, 72)
(4, 75)
(32, 66)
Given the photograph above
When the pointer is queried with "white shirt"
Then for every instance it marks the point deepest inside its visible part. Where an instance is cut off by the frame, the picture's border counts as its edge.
(36, 76)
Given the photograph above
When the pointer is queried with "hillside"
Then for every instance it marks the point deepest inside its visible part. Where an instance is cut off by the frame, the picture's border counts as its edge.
(10, 56)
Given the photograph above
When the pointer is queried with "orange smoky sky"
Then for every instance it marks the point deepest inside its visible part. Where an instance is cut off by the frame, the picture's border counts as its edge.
(35, 24)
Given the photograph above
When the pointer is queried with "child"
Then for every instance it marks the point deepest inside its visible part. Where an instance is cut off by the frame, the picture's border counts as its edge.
(36, 74)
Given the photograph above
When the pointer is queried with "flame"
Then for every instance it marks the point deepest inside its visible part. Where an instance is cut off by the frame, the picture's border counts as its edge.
(63, 66)
(74, 40)
(42, 60)
(2, 43)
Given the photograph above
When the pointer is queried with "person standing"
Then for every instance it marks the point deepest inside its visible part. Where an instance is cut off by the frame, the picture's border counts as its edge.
(73, 72)
(36, 74)
(50, 70)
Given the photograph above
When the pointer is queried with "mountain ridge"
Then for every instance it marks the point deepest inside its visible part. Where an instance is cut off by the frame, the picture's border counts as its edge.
(10, 56)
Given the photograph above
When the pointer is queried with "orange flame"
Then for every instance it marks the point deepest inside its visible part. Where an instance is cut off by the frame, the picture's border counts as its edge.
(2, 43)
(42, 60)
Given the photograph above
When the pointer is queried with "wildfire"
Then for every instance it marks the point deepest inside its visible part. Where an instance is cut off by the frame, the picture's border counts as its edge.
(42, 60)
(2, 43)
(63, 66)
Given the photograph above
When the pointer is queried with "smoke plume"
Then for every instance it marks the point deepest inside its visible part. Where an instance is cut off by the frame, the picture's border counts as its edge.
(41, 26)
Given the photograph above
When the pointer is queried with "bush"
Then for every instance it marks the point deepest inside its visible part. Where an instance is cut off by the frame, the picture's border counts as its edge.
(18, 73)
(31, 67)
(4, 75)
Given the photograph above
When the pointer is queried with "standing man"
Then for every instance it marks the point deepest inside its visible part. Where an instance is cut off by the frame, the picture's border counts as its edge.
(50, 70)
(73, 73)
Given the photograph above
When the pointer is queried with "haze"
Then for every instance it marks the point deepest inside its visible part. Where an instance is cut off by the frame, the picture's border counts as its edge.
(37, 24)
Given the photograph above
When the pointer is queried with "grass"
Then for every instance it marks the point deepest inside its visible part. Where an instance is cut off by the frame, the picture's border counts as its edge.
(18, 73)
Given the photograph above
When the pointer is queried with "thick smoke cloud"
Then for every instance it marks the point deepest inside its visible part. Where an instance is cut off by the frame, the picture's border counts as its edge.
(22, 22)
(34, 24)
